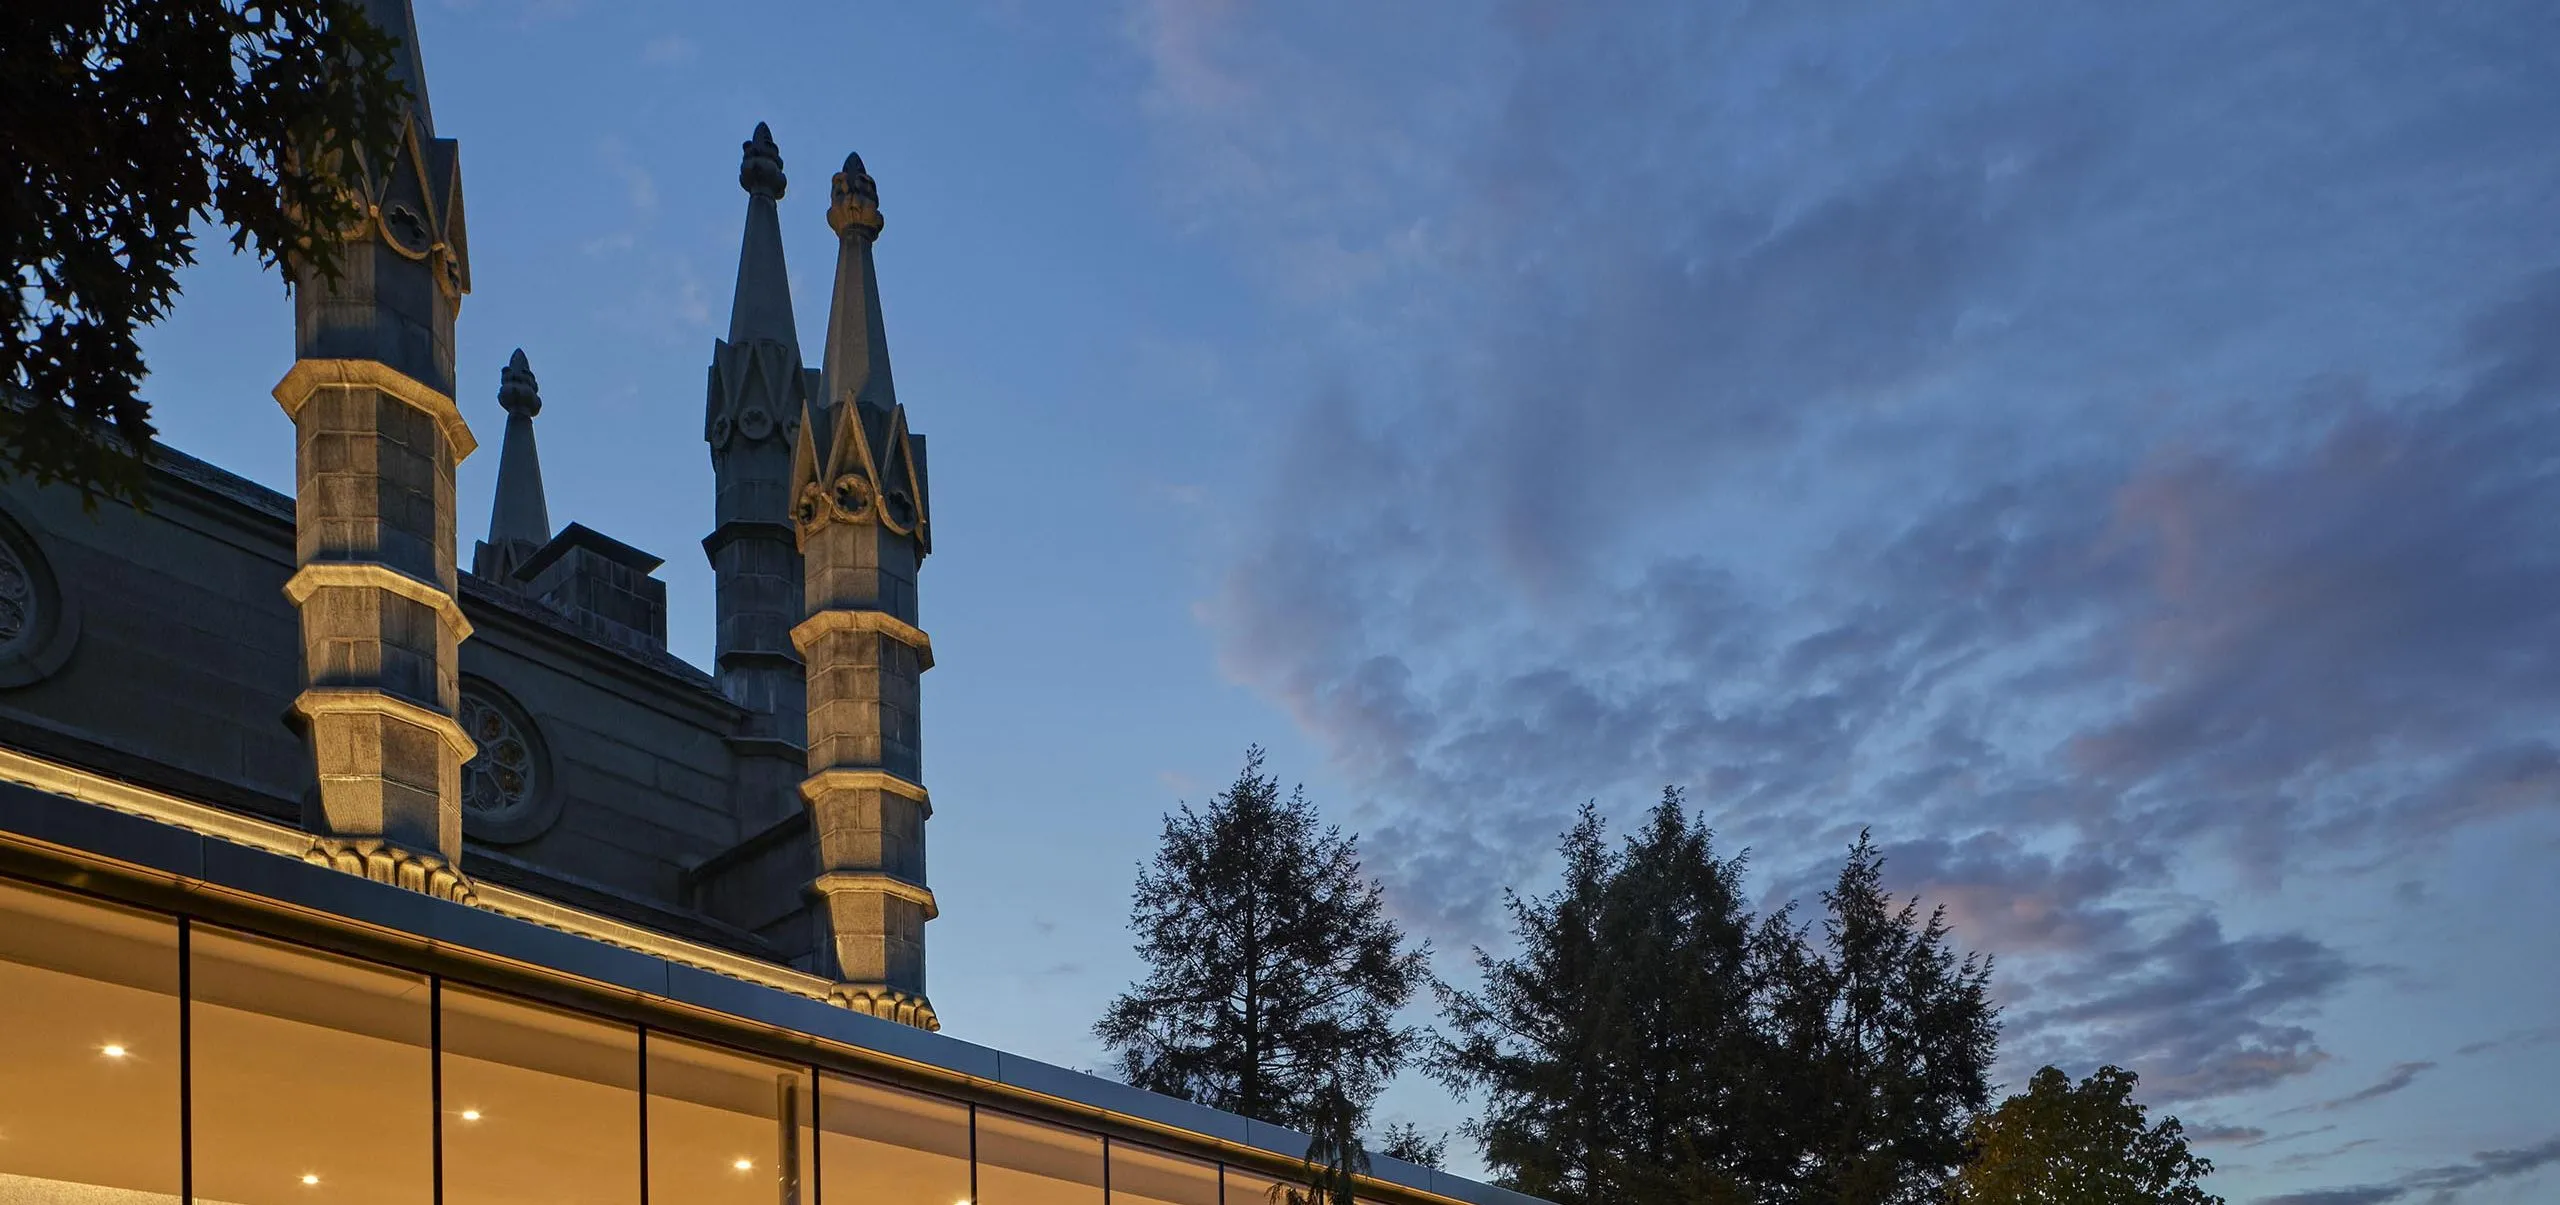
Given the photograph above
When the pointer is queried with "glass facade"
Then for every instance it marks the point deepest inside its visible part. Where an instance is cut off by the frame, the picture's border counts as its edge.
(152, 1060)
(90, 1050)
(1025, 1162)
(724, 1128)
(1141, 1176)
(312, 1076)
(883, 1146)
(541, 1106)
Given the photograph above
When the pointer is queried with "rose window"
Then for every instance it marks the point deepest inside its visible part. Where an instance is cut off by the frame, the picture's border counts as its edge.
(503, 781)
(17, 599)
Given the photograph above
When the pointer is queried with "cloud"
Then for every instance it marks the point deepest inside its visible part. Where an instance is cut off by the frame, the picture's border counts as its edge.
(668, 50)
(2439, 1182)
(2517, 1040)
(2400, 1076)
(2224, 1135)
(1962, 427)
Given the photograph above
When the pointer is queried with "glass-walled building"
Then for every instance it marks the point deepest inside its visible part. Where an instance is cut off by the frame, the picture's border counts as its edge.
(185, 1015)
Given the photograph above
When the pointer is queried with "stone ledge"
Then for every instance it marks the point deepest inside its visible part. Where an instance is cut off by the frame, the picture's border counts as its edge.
(311, 376)
(320, 575)
(825, 622)
(879, 882)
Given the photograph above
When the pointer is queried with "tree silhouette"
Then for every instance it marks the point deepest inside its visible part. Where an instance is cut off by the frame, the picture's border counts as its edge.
(123, 123)
(2059, 1144)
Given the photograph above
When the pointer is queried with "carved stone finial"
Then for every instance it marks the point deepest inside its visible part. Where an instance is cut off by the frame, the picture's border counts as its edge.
(854, 200)
(760, 172)
(517, 390)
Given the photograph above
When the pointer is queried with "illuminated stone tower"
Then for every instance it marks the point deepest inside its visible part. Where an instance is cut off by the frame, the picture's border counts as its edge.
(858, 480)
(376, 439)
(758, 392)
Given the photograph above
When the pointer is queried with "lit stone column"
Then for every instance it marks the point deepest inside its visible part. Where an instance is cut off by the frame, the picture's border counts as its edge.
(374, 534)
(861, 520)
(376, 439)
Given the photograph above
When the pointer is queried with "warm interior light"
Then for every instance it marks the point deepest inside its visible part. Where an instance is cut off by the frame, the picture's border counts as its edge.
(471, 1114)
(111, 1050)
(308, 1178)
(744, 1165)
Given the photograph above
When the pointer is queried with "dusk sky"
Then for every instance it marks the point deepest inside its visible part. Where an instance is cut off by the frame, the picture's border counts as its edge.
(2111, 450)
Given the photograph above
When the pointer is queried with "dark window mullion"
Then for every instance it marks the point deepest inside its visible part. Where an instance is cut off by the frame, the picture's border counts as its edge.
(186, 1064)
(435, 1074)
(642, 1045)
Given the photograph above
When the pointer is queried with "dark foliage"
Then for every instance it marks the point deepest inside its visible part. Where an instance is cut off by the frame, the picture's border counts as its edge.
(1655, 1041)
(1888, 1040)
(122, 123)
(1274, 972)
(1406, 1141)
(2057, 1143)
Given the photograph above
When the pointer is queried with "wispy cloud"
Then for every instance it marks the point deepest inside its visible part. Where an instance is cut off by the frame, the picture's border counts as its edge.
(2400, 1076)
(668, 50)
(1954, 425)
(2440, 1183)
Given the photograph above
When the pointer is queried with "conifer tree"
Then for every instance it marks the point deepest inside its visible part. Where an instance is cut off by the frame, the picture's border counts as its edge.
(2060, 1144)
(1274, 972)
(1617, 1050)
(1405, 1140)
(1887, 1037)
(1655, 1041)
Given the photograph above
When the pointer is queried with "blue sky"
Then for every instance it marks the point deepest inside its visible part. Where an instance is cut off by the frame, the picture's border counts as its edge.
(2109, 449)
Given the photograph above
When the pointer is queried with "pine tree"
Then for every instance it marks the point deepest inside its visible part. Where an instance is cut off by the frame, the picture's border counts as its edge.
(1887, 1039)
(122, 124)
(1274, 972)
(1617, 1050)
(1405, 1140)
(1655, 1041)
(2057, 1144)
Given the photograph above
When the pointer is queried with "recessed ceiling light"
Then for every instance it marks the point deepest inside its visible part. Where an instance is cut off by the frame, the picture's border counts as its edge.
(744, 1165)
(308, 1178)
(111, 1050)
(471, 1114)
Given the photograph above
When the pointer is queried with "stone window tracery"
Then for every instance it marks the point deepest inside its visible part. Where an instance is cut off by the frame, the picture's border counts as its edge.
(17, 599)
(504, 787)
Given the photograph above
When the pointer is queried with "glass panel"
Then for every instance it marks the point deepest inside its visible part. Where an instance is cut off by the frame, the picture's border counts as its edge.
(1023, 1162)
(882, 1146)
(1141, 1176)
(88, 1051)
(541, 1107)
(312, 1077)
(1247, 1188)
(725, 1129)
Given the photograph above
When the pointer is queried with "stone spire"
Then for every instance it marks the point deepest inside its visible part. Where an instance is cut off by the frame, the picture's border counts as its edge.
(857, 357)
(520, 520)
(377, 437)
(859, 506)
(758, 390)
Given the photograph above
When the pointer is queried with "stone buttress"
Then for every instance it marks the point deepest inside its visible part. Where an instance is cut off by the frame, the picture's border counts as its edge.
(859, 506)
(757, 394)
(376, 440)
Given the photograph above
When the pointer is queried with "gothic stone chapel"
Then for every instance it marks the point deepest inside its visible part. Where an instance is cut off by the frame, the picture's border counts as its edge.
(332, 870)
